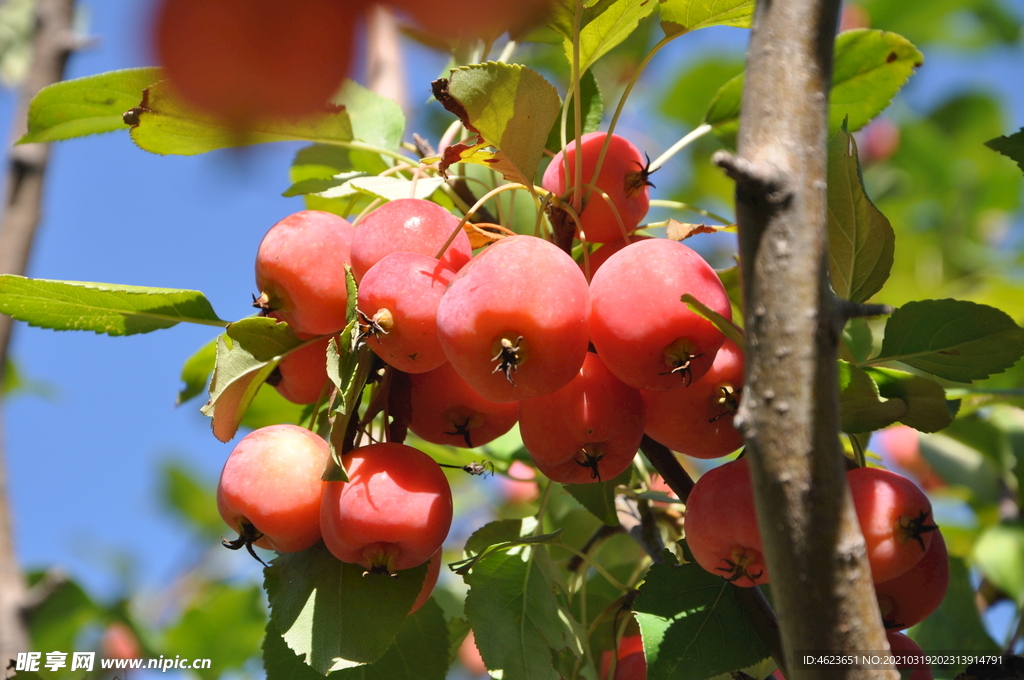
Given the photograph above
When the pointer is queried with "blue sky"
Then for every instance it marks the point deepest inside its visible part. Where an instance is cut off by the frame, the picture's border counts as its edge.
(82, 465)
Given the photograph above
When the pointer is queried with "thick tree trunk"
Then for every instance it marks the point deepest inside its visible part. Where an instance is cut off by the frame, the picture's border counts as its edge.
(53, 42)
(790, 408)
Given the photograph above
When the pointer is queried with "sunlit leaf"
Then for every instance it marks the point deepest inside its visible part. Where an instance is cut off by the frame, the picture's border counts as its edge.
(246, 355)
(953, 339)
(86, 106)
(683, 16)
(333, 615)
(692, 624)
(599, 497)
(518, 611)
(510, 106)
(870, 67)
(162, 124)
(927, 407)
(861, 406)
(101, 307)
(861, 242)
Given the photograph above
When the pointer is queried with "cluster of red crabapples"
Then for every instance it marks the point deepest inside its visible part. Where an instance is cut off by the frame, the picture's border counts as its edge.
(476, 343)
(905, 550)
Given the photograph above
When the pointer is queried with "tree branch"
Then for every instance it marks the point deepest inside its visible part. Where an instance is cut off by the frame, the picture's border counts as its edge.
(789, 413)
(52, 44)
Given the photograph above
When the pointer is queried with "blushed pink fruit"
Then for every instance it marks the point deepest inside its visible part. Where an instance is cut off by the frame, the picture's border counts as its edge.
(587, 431)
(514, 322)
(301, 377)
(446, 410)
(408, 225)
(646, 336)
(392, 514)
(721, 525)
(398, 297)
(697, 420)
(271, 484)
(300, 271)
(623, 177)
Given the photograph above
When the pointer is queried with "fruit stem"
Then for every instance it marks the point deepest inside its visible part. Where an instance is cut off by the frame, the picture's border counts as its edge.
(577, 197)
(625, 94)
(507, 51)
(476, 206)
(678, 205)
(687, 139)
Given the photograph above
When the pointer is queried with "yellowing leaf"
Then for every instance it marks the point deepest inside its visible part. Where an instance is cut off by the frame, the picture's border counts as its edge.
(683, 16)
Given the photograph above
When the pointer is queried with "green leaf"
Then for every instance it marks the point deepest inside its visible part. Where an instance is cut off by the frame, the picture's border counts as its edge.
(683, 16)
(57, 622)
(498, 531)
(348, 369)
(389, 188)
(604, 25)
(599, 497)
(200, 632)
(1012, 147)
(101, 307)
(999, 553)
(510, 106)
(953, 339)
(861, 241)
(376, 120)
(870, 67)
(419, 652)
(728, 328)
(926, 404)
(861, 406)
(162, 124)
(182, 492)
(196, 371)
(692, 625)
(86, 106)
(334, 615)
(246, 356)
(956, 624)
(858, 338)
(591, 111)
(518, 611)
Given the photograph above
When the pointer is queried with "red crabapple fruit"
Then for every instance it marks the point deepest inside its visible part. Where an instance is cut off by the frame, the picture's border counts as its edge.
(411, 225)
(447, 411)
(301, 377)
(300, 271)
(429, 580)
(895, 517)
(587, 431)
(514, 322)
(643, 332)
(270, 488)
(909, 599)
(398, 298)
(903, 646)
(242, 60)
(631, 664)
(697, 421)
(601, 255)
(623, 177)
(721, 525)
(392, 514)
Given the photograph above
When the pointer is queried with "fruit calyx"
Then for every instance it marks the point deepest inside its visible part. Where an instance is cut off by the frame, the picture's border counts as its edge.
(589, 457)
(638, 179)
(738, 565)
(509, 356)
(381, 557)
(374, 326)
(913, 528)
(679, 356)
(247, 535)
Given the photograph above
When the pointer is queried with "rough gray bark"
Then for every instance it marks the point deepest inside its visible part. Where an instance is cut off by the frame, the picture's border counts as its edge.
(790, 408)
(25, 172)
